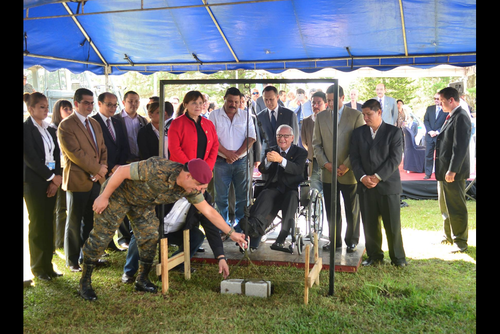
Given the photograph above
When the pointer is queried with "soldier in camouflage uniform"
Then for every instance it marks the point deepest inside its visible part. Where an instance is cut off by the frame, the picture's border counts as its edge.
(134, 190)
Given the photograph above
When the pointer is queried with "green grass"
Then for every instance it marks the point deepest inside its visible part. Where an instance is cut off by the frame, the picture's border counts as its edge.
(431, 295)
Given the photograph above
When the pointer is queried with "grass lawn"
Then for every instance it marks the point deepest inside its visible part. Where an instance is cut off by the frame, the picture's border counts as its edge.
(436, 293)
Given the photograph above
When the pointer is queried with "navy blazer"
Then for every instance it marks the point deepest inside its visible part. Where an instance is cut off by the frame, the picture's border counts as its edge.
(452, 146)
(117, 150)
(431, 123)
(34, 168)
(285, 116)
(381, 155)
(293, 174)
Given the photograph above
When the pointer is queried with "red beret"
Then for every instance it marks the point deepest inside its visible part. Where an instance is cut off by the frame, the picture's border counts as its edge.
(200, 171)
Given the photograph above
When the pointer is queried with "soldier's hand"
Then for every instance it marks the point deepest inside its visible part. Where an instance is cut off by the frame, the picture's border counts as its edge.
(100, 204)
(240, 239)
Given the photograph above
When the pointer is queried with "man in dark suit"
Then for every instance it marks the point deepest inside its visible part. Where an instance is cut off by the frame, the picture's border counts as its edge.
(284, 164)
(376, 151)
(452, 168)
(114, 138)
(116, 145)
(269, 119)
(433, 120)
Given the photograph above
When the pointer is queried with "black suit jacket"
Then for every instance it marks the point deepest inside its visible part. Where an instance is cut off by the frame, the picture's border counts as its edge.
(291, 176)
(381, 155)
(452, 146)
(148, 142)
(117, 150)
(431, 123)
(285, 116)
(34, 168)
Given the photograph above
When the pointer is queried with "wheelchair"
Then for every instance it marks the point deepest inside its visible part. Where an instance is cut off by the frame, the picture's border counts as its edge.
(311, 208)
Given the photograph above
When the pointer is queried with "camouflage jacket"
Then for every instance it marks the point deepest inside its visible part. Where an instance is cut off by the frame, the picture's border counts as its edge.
(153, 182)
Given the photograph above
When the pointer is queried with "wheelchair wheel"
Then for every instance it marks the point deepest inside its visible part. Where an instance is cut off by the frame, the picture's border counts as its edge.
(315, 214)
(300, 244)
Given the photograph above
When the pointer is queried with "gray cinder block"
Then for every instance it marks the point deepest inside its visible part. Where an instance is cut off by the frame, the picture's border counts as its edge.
(256, 288)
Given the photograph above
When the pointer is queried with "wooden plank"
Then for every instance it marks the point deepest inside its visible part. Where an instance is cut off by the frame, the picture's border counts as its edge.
(164, 266)
(306, 282)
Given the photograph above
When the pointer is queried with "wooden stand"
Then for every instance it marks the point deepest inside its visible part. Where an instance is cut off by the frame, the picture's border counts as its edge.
(169, 263)
(312, 276)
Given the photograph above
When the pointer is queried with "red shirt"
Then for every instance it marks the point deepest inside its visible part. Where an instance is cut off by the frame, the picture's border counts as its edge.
(183, 140)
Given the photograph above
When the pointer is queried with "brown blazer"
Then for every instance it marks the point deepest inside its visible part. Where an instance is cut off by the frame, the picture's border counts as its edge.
(79, 157)
(306, 133)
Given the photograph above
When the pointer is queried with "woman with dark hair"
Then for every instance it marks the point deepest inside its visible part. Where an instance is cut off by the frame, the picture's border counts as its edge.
(148, 136)
(61, 110)
(42, 178)
(192, 136)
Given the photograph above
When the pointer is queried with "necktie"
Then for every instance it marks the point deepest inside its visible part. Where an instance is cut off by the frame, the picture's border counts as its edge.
(448, 117)
(381, 105)
(437, 112)
(87, 125)
(108, 124)
(273, 121)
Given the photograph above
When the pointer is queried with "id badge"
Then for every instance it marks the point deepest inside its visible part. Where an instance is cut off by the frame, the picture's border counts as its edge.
(51, 165)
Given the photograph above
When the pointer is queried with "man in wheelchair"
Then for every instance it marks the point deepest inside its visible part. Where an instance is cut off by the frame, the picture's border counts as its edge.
(284, 167)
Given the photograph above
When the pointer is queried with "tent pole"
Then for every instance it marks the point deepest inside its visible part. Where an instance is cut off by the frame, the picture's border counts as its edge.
(333, 188)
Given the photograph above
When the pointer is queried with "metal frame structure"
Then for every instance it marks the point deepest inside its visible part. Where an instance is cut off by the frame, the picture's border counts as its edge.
(237, 63)
(332, 225)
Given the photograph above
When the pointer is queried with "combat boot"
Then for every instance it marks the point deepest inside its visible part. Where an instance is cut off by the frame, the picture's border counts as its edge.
(142, 283)
(86, 290)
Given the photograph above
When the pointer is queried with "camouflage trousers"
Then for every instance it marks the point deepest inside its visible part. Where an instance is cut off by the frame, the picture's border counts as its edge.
(144, 223)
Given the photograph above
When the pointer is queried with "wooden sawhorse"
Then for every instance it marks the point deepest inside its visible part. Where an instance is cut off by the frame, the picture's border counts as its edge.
(312, 277)
(169, 263)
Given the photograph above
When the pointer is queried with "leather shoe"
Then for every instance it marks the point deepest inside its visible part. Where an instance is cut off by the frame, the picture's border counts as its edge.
(351, 248)
(44, 277)
(369, 262)
(281, 247)
(55, 274)
(75, 268)
(127, 279)
(402, 264)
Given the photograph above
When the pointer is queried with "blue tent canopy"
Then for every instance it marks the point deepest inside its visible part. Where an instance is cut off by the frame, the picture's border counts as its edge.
(115, 36)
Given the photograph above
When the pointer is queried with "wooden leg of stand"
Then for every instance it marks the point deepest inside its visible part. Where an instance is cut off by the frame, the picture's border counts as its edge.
(164, 265)
(187, 255)
(306, 281)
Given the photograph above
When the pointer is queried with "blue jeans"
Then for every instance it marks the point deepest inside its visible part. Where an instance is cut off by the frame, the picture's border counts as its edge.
(196, 238)
(224, 174)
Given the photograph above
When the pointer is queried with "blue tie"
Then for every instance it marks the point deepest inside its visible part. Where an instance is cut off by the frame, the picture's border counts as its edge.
(273, 121)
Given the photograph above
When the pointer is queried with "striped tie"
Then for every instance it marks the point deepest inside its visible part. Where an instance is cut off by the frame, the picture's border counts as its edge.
(108, 124)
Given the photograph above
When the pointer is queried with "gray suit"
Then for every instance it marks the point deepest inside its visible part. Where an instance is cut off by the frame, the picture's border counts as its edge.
(323, 141)
(323, 146)
(389, 109)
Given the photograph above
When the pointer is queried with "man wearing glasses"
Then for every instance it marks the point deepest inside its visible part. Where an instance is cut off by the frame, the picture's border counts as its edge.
(433, 120)
(284, 164)
(116, 142)
(84, 157)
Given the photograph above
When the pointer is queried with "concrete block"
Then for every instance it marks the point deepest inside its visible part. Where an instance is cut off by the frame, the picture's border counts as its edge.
(256, 288)
(232, 286)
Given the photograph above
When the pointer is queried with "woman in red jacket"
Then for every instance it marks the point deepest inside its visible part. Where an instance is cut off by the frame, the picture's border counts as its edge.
(192, 136)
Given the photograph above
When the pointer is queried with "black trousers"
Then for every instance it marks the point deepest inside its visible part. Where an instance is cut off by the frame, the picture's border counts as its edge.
(453, 209)
(267, 205)
(41, 232)
(376, 207)
(351, 205)
(79, 222)
(430, 148)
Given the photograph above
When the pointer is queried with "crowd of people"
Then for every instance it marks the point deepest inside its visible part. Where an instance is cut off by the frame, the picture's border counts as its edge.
(97, 174)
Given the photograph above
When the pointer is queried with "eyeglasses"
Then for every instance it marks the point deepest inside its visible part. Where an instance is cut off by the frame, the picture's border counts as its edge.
(255, 93)
(111, 105)
(283, 136)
